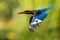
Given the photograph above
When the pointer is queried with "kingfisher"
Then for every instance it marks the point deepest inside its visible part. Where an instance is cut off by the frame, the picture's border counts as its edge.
(37, 16)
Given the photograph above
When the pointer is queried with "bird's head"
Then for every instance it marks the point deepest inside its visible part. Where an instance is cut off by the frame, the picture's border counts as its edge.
(34, 24)
(35, 21)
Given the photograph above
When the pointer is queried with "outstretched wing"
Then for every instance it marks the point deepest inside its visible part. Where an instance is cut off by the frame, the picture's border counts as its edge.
(28, 12)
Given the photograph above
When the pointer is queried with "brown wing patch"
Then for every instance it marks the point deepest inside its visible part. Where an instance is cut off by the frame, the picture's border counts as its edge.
(30, 19)
(29, 12)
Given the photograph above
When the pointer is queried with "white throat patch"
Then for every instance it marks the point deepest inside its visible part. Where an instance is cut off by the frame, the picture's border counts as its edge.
(36, 22)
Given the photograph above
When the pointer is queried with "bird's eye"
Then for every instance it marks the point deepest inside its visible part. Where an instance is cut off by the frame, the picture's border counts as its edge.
(36, 20)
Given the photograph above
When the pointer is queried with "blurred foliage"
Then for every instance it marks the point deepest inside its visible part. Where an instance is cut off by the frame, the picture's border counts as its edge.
(7, 7)
(15, 27)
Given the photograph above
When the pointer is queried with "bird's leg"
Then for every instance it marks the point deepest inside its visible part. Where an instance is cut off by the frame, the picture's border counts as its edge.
(38, 24)
(31, 27)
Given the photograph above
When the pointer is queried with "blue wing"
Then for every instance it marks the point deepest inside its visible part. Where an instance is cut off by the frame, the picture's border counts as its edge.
(44, 9)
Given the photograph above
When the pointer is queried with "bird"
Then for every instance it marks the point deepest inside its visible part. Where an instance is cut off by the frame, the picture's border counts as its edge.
(37, 16)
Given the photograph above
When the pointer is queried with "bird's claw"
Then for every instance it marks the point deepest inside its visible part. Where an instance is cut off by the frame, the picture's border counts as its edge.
(32, 27)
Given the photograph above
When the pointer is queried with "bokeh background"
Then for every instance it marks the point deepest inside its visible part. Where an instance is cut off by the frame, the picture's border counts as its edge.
(15, 27)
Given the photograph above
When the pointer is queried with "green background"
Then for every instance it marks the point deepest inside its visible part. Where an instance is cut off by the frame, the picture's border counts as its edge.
(15, 27)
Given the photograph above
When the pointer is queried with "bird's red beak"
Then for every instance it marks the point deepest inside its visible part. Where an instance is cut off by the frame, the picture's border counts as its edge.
(20, 13)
